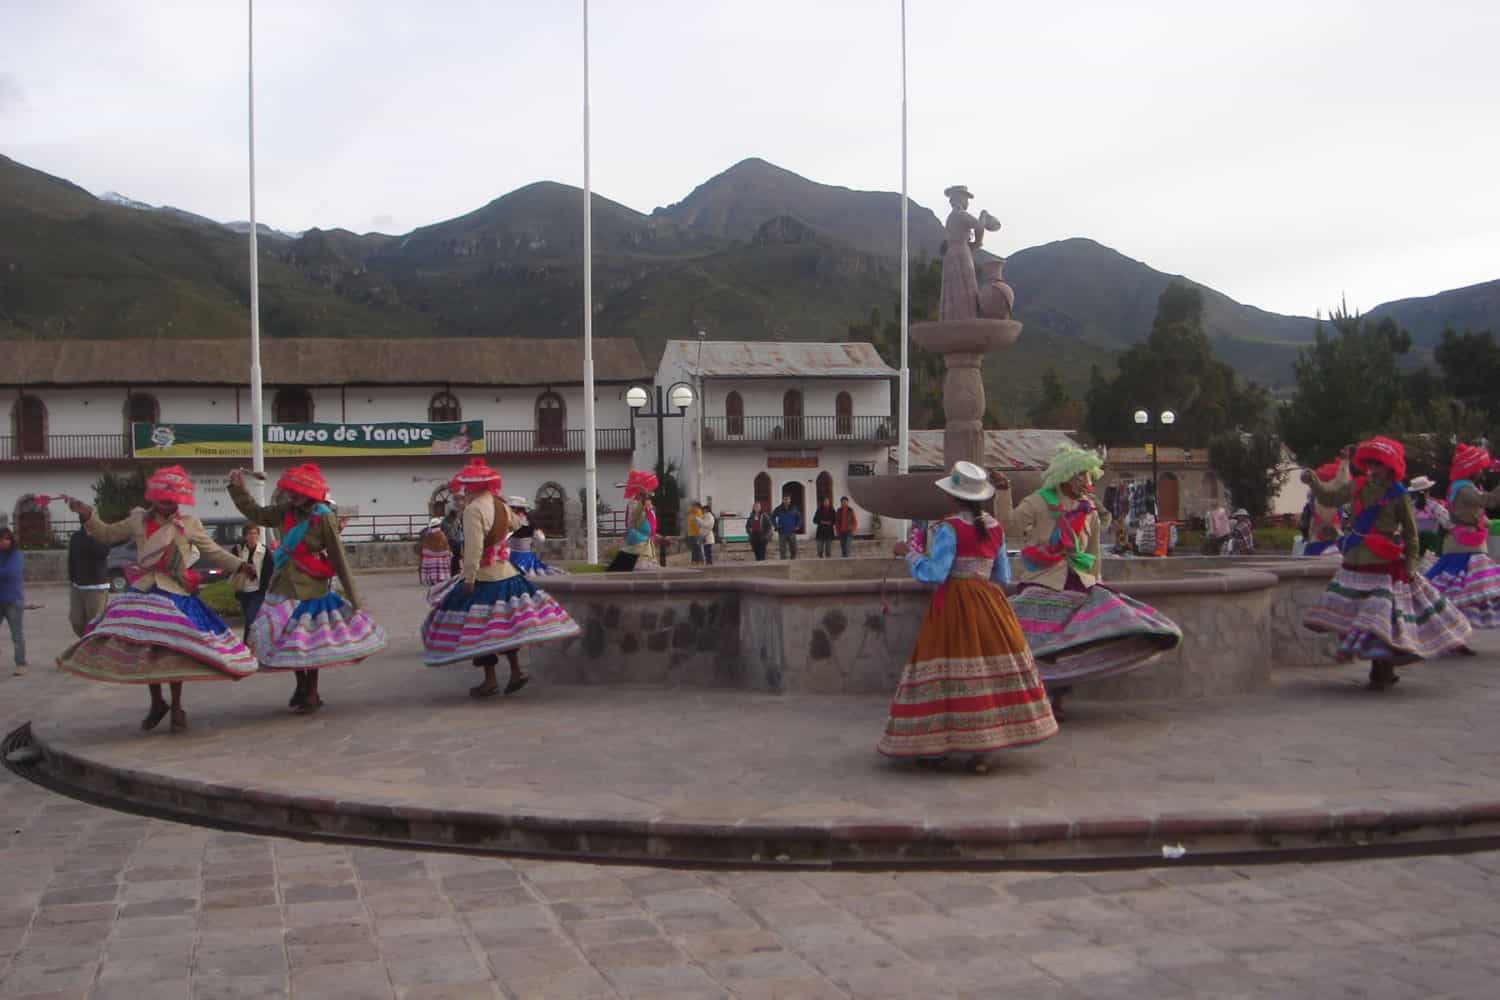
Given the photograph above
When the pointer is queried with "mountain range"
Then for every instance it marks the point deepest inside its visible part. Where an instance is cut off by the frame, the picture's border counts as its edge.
(754, 253)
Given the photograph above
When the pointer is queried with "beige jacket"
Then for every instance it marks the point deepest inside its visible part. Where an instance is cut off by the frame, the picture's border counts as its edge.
(322, 536)
(1469, 508)
(181, 540)
(1031, 523)
(486, 523)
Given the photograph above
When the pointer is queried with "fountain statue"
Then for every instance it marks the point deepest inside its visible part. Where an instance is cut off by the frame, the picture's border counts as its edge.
(973, 320)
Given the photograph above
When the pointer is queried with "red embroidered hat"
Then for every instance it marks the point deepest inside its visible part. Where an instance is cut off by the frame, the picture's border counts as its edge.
(304, 480)
(477, 477)
(639, 483)
(170, 485)
(1382, 451)
(1328, 473)
(1468, 461)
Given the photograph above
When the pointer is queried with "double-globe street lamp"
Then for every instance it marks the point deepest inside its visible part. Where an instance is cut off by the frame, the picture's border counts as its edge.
(1155, 423)
(680, 396)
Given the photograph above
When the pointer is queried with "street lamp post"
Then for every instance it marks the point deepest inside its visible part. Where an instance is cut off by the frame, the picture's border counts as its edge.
(1166, 418)
(680, 395)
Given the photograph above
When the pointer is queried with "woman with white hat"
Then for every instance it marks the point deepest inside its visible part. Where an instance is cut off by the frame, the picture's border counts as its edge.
(435, 562)
(523, 538)
(1078, 629)
(970, 686)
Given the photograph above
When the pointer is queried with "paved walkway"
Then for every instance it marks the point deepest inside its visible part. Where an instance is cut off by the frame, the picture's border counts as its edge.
(97, 904)
(399, 733)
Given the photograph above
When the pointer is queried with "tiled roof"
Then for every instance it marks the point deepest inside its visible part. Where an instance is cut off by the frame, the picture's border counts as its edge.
(776, 359)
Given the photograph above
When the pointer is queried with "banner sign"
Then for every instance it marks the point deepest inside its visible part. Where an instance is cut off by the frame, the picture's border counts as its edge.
(461, 437)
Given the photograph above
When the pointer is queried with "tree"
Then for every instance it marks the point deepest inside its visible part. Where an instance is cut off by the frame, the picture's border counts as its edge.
(1470, 367)
(1251, 467)
(117, 494)
(1174, 368)
(1054, 407)
(1348, 386)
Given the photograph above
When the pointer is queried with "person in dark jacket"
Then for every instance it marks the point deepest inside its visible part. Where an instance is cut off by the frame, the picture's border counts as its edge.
(845, 524)
(758, 530)
(823, 521)
(88, 572)
(787, 520)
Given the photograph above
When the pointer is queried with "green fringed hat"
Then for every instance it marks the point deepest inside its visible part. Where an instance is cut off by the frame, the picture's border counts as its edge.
(1069, 462)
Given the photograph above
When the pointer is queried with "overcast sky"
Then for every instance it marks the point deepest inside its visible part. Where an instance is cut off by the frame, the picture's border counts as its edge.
(1286, 152)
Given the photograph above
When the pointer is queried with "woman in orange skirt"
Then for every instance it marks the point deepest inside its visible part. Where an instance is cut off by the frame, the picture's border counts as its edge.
(970, 686)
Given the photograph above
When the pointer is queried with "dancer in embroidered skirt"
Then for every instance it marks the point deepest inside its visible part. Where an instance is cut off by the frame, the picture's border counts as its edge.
(1465, 574)
(638, 521)
(305, 625)
(523, 541)
(491, 608)
(158, 632)
(1325, 522)
(1379, 608)
(1078, 628)
(970, 686)
(433, 557)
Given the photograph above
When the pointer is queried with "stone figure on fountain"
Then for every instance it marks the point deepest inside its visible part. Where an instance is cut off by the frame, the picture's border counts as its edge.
(961, 295)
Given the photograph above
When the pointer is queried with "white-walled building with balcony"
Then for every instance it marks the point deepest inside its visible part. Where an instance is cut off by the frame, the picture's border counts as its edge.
(770, 419)
(72, 406)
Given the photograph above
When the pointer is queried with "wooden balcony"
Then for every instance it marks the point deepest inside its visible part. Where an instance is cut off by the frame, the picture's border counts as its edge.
(739, 432)
(535, 444)
(66, 448)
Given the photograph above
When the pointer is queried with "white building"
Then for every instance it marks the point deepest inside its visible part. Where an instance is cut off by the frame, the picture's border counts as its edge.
(77, 408)
(772, 419)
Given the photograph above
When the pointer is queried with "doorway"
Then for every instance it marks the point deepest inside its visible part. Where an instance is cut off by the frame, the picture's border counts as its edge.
(1167, 500)
(799, 500)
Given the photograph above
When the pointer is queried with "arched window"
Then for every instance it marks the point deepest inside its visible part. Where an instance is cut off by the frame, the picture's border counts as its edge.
(763, 491)
(444, 408)
(28, 423)
(734, 415)
(548, 513)
(141, 408)
(843, 414)
(293, 405)
(551, 421)
(791, 413)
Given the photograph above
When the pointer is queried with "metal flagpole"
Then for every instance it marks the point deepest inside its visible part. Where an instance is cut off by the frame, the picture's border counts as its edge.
(257, 417)
(590, 464)
(904, 443)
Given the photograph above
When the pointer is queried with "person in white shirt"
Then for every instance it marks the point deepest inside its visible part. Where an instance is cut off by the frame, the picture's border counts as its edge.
(706, 525)
(250, 591)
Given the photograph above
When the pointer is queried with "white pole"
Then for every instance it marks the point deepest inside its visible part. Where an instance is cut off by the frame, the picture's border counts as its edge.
(590, 465)
(257, 416)
(904, 444)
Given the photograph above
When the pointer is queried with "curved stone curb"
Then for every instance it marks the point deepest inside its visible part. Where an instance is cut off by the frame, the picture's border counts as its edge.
(855, 843)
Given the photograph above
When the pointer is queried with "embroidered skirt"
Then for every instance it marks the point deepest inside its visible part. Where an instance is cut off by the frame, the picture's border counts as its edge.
(324, 632)
(530, 564)
(1378, 617)
(435, 567)
(1471, 582)
(495, 617)
(970, 685)
(1321, 549)
(153, 637)
(1084, 634)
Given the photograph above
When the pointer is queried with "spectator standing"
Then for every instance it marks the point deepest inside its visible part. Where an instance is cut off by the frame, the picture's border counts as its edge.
(453, 527)
(823, 522)
(845, 524)
(13, 594)
(787, 520)
(250, 591)
(758, 530)
(707, 524)
(695, 531)
(88, 573)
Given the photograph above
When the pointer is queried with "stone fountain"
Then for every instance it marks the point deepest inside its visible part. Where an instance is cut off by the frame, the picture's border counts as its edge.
(974, 319)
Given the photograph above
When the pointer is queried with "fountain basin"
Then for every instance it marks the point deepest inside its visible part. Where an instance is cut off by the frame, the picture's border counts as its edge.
(966, 336)
(846, 627)
(915, 497)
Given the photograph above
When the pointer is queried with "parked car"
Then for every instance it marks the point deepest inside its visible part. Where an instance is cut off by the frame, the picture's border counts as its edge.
(225, 531)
